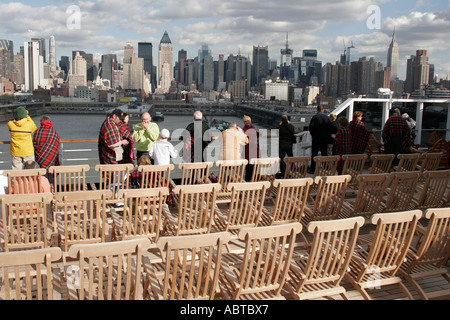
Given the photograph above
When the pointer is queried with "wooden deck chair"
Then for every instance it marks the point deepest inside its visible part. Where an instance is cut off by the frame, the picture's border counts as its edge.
(319, 271)
(24, 221)
(28, 274)
(379, 255)
(260, 272)
(194, 211)
(289, 202)
(381, 163)
(328, 200)
(192, 173)
(429, 162)
(156, 176)
(81, 217)
(189, 269)
(432, 192)
(326, 165)
(245, 207)
(296, 167)
(265, 169)
(24, 181)
(107, 271)
(442, 145)
(230, 171)
(428, 256)
(407, 162)
(434, 137)
(141, 215)
(371, 190)
(69, 178)
(114, 177)
(400, 191)
(353, 166)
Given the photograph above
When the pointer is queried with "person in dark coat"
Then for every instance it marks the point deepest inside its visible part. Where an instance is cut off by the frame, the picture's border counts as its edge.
(343, 142)
(286, 132)
(396, 136)
(320, 129)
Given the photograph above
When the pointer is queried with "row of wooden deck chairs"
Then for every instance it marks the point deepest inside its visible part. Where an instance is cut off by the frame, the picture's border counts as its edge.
(199, 266)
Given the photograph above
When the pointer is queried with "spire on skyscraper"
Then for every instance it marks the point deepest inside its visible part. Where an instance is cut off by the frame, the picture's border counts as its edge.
(165, 38)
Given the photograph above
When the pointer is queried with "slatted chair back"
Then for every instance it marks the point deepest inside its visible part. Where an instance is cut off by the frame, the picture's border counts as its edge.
(114, 177)
(24, 220)
(155, 176)
(24, 181)
(433, 189)
(81, 217)
(245, 207)
(27, 274)
(109, 270)
(381, 163)
(402, 186)
(230, 171)
(190, 268)
(194, 172)
(326, 165)
(290, 201)
(329, 199)
(387, 248)
(371, 190)
(408, 162)
(296, 167)
(353, 166)
(141, 215)
(430, 161)
(69, 178)
(427, 258)
(264, 169)
(319, 272)
(194, 211)
(262, 270)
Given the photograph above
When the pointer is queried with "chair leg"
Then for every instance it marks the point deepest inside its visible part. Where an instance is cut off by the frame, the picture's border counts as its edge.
(405, 291)
(416, 287)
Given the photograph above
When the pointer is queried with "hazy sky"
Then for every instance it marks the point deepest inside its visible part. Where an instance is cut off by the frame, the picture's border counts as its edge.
(233, 26)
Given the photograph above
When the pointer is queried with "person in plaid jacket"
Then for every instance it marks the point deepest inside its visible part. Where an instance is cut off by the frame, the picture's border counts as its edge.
(46, 145)
(110, 142)
(396, 136)
(343, 142)
(360, 135)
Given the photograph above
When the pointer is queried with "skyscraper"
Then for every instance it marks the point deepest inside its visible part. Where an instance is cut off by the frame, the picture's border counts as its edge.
(260, 64)
(182, 57)
(109, 63)
(42, 51)
(79, 69)
(165, 63)
(34, 65)
(202, 53)
(422, 70)
(128, 53)
(286, 60)
(393, 58)
(52, 54)
(145, 50)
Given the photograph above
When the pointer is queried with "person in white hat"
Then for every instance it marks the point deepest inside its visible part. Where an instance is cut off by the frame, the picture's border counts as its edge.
(162, 150)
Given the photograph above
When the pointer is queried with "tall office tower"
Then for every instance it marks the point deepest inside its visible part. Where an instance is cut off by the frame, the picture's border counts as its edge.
(42, 49)
(109, 64)
(190, 78)
(260, 64)
(52, 53)
(202, 53)
(165, 63)
(128, 51)
(182, 57)
(8, 45)
(79, 69)
(34, 65)
(91, 69)
(286, 60)
(145, 50)
(19, 70)
(5, 64)
(64, 64)
(422, 70)
(221, 69)
(133, 73)
(393, 57)
(310, 70)
(410, 74)
(208, 73)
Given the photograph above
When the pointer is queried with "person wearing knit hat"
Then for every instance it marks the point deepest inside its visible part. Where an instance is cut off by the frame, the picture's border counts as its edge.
(21, 130)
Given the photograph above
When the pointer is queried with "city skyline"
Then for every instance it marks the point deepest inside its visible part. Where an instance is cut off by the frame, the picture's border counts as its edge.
(232, 27)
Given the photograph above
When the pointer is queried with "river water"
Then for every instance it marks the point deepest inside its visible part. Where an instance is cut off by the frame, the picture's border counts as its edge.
(87, 126)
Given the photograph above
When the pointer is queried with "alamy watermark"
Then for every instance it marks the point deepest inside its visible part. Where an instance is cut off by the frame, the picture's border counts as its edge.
(73, 21)
(374, 20)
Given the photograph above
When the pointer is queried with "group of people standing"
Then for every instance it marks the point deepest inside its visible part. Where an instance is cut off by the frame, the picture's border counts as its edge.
(353, 137)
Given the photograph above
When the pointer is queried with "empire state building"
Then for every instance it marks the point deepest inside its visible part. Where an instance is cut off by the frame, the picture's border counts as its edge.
(393, 57)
